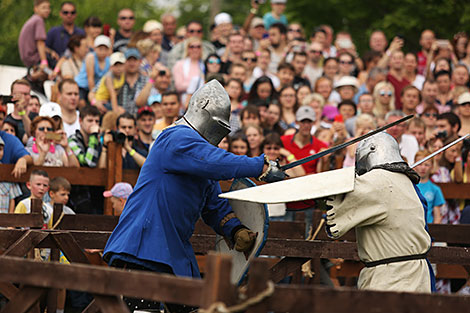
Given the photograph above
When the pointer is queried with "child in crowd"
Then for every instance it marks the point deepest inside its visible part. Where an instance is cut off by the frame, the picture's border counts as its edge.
(118, 194)
(417, 128)
(108, 88)
(430, 191)
(59, 192)
(8, 191)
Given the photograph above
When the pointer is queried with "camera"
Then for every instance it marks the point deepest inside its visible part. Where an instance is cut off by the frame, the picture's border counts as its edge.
(442, 134)
(7, 99)
(119, 137)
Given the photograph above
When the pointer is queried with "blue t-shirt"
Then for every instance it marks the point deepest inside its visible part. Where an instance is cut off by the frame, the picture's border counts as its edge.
(269, 19)
(13, 149)
(58, 38)
(434, 197)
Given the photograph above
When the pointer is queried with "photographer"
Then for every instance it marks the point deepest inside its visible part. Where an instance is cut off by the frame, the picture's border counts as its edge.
(126, 130)
(20, 96)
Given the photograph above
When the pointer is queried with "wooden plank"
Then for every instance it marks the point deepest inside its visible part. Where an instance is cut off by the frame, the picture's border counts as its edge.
(110, 176)
(32, 220)
(102, 280)
(76, 176)
(455, 191)
(257, 283)
(24, 300)
(111, 304)
(92, 308)
(28, 241)
(285, 267)
(8, 290)
(346, 300)
(130, 176)
(217, 287)
(70, 247)
(88, 222)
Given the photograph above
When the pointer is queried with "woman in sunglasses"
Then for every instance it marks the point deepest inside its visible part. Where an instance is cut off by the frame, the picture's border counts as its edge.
(429, 117)
(384, 95)
(49, 148)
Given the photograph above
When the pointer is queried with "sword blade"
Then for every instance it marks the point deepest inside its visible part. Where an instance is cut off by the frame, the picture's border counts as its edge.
(343, 145)
(439, 151)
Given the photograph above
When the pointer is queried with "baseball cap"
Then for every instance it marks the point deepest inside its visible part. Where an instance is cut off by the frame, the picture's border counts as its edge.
(50, 109)
(305, 112)
(257, 21)
(464, 98)
(154, 98)
(278, 1)
(117, 57)
(152, 25)
(145, 111)
(222, 18)
(102, 40)
(119, 190)
(132, 53)
(2, 143)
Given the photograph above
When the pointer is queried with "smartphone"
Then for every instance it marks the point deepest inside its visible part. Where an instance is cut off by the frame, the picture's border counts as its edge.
(53, 136)
(265, 35)
(339, 118)
(443, 43)
(6, 99)
(106, 28)
(345, 43)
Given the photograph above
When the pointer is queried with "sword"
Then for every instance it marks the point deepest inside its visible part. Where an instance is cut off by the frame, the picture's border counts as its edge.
(439, 151)
(343, 145)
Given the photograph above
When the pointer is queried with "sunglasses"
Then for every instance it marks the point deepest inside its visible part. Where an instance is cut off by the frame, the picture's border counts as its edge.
(430, 115)
(192, 31)
(297, 30)
(49, 129)
(161, 73)
(122, 18)
(465, 104)
(249, 59)
(386, 93)
(346, 62)
(315, 51)
(194, 47)
(214, 61)
(69, 12)
(272, 148)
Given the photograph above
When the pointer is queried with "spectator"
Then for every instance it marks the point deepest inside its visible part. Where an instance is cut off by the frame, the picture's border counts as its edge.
(134, 83)
(396, 75)
(316, 102)
(10, 128)
(118, 195)
(426, 40)
(302, 143)
(233, 52)
(324, 87)
(262, 89)
(431, 192)
(459, 45)
(220, 32)
(32, 109)
(254, 135)
(346, 87)
(84, 143)
(193, 29)
(365, 106)
(449, 124)
(346, 64)
(271, 121)
(93, 28)
(289, 106)
(429, 97)
(375, 76)
(347, 109)
(169, 31)
(154, 31)
(158, 83)
(250, 115)
(407, 143)
(429, 117)
(378, 41)
(319, 36)
(285, 72)
(295, 32)
(145, 123)
(8, 191)
(460, 76)
(299, 62)
(411, 71)
(444, 94)
(417, 128)
(302, 92)
(274, 150)
(109, 86)
(96, 65)
(32, 39)
(52, 110)
(330, 68)
(370, 59)
(278, 44)
(150, 52)
(58, 37)
(78, 48)
(464, 113)
(21, 95)
(125, 21)
(68, 100)
(3, 113)
(410, 98)
(314, 68)
(276, 15)
(239, 145)
(15, 153)
(234, 88)
(189, 67)
(47, 151)
(363, 124)
(237, 71)
(170, 110)
(384, 99)
(256, 27)
(249, 59)
(262, 68)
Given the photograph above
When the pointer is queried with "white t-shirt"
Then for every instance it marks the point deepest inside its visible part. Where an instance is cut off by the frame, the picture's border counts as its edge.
(71, 128)
(408, 148)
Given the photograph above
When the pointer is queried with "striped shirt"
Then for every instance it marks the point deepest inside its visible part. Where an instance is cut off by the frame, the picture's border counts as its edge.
(8, 191)
(87, 155)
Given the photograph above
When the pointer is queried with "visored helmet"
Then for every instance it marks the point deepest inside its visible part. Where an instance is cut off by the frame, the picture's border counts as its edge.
(209, 112)
(378, 149)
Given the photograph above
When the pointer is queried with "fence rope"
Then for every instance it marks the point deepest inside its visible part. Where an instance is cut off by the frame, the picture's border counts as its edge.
(220, 307)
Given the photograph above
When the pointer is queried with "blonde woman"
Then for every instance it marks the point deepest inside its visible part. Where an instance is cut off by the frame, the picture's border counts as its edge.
(384, 95)
(150, 52)
(317, 102)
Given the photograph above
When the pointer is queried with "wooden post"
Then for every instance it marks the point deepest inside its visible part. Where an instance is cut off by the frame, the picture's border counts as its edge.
(36, 206)
(258, 282)
(217, 281)
(52, 293)
(111, 175)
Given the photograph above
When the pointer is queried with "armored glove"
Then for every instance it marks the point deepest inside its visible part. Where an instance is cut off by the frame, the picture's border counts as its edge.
(244, 240)
(274, 172)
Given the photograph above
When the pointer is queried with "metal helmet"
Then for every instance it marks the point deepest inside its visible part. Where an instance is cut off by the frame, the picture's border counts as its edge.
(209, 112)
(378, 149)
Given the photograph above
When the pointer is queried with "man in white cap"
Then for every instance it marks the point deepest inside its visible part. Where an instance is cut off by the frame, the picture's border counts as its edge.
(221, 31)
(52, 110)
(118, 195)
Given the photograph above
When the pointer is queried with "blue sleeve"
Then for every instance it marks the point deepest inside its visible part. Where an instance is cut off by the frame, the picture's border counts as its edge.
(439, 199)
(216, 209)
(13, 150)
(49, 38)
(192, 155)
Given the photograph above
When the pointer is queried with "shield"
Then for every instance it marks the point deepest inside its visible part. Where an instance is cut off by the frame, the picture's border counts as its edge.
(298, 189)
(255, 217)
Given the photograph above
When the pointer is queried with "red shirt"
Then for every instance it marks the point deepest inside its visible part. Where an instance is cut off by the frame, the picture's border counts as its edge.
(422, 62)
(313, 147)
(398, 85)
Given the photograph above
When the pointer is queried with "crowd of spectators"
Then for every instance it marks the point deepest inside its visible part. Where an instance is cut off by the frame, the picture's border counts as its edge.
(293, 92)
